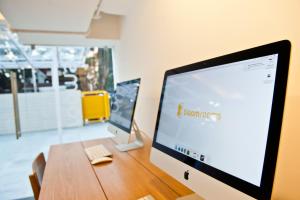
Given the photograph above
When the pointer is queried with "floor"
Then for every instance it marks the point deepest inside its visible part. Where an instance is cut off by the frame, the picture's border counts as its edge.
(16, 156)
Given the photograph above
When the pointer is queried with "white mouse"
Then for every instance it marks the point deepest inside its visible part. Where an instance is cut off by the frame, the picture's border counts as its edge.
(101, 160)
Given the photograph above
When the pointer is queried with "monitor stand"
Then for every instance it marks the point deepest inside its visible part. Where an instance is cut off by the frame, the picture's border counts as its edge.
(137, 143)
(193, 196)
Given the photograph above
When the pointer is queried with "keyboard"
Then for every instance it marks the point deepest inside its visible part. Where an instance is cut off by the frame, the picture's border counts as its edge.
(96, 152)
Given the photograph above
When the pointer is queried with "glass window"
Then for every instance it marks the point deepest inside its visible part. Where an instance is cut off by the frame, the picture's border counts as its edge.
(84, 68)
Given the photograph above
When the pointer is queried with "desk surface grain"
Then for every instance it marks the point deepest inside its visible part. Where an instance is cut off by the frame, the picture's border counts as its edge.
(69, 175)
(126, 179)
(142, 155)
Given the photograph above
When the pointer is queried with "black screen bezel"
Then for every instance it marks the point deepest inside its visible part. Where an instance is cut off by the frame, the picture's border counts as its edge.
(282, 48)
(134, 81)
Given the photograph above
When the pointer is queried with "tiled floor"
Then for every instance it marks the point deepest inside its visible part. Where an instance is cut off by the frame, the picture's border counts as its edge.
(16, 156)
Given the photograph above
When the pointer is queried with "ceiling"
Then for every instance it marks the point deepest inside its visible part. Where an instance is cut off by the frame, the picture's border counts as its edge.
(49, 15)
(116, 7)
(64, 40)
(64, 20)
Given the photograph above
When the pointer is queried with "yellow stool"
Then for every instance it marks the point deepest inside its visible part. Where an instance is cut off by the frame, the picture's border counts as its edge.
(95, 106)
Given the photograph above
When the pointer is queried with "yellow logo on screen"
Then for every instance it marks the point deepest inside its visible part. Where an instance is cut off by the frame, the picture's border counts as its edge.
(214, 116)
(179, 110)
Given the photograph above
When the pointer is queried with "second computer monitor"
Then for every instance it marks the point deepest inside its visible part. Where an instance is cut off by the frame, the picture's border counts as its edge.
(122, 114)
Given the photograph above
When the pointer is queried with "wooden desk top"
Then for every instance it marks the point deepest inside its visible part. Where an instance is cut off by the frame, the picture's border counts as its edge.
(69, 175)
(143, 155)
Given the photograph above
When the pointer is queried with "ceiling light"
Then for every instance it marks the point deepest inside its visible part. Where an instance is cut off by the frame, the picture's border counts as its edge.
(10, 55)
(34, 52)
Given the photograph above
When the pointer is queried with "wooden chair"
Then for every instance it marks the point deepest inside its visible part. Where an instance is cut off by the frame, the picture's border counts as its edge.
(36, 178)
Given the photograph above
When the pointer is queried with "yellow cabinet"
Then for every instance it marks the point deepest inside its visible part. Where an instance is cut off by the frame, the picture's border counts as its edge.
(95, 106)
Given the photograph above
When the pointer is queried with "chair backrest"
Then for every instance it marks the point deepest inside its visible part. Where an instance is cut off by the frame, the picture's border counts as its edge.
(35, 186)
(38, 168)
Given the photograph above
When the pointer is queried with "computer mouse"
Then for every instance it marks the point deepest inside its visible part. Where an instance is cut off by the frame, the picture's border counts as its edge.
(101, 160)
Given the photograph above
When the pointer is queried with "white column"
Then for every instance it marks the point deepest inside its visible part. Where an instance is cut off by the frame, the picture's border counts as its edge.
(115, 63)
(33, 78)
(55, 86)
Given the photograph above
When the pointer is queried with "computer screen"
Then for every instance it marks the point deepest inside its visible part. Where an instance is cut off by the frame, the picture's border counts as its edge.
(123, 104)
(215, 116)
(220, 120)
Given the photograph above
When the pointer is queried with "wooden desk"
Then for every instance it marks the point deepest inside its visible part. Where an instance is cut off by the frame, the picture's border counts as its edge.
(69, 175)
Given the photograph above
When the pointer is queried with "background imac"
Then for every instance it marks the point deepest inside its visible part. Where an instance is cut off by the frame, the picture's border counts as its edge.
(123, 104)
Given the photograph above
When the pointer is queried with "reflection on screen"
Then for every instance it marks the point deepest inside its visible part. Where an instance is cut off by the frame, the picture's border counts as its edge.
(220, 115)
(123, 103)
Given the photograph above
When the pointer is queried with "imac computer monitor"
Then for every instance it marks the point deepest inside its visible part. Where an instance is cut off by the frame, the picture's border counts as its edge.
(219, 122)
(122, 112)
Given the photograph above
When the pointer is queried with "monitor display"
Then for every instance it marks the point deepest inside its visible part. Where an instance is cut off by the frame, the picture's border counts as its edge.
(223, 116)
(123, 104)
(220, 120)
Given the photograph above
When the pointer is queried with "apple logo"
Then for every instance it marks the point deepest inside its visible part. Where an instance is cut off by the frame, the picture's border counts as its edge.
(186, 175)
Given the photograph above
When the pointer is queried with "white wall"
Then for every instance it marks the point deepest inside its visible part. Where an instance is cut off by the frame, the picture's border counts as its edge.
(37, 111)
(158, 35)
